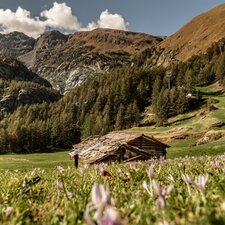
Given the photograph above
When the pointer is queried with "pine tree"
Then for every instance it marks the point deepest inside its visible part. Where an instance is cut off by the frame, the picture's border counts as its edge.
(155, 92)
(119, 124)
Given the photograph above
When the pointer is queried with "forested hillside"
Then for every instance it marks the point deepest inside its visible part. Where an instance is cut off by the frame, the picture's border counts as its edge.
(114, 100)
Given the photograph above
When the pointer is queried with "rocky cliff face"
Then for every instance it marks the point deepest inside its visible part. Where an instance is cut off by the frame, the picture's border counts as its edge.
(19, 86)
(15, 44)
(67, 61)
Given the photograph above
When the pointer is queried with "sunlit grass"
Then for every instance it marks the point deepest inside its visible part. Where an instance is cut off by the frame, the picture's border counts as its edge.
(34, 198)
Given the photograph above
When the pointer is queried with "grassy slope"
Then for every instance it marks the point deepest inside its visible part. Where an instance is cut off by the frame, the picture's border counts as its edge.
(194, 124)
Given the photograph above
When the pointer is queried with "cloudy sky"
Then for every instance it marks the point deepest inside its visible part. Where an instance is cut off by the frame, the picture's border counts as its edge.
(156, 17)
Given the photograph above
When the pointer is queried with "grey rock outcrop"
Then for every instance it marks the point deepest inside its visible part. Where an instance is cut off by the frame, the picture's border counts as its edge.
(27, 96)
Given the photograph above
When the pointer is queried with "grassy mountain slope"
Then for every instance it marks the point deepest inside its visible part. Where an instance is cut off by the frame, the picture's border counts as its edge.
(198, 35)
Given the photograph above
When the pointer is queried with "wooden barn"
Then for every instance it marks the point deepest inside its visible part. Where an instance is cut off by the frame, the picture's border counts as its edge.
(118, 146)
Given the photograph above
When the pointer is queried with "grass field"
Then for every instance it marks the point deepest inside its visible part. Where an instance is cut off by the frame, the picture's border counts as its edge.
(183, 191)
(39, 160)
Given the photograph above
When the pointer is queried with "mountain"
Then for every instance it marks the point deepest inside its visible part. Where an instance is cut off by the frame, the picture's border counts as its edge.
(19, 86)
(68, 60)
(197, 35)
(15, 44)
(12, 69)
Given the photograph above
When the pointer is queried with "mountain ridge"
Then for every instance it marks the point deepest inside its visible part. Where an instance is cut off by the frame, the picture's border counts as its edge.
(197, 35)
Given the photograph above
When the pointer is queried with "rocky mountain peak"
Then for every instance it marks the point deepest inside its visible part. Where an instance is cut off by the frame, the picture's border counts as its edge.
(67, 61)
(50, 39)
(15, 44)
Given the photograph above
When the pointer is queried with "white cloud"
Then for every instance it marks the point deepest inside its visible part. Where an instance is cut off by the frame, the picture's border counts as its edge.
(20, 21)
(108, 20)
(59, 17)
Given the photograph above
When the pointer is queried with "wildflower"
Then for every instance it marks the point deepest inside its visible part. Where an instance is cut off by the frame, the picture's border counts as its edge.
(59, 185)
(69, 194)
(9, 211)
(162, 192)
(216, 164)
(186, 179)
(24, 183)
(161, 159)
(147, 188)
(105, 213)
(150, 171)
(102, 169)
(201, 181)
(119, 171)
(100, 196)
(111, 217)
(170, 178)
(60, 169)
(164, 222)
(133, 165)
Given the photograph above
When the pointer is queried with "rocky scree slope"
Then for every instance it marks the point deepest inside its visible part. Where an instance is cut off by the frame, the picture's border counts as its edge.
(19, 86)
(68, 60)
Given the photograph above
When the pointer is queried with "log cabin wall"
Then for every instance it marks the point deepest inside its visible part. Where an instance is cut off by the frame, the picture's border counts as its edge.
(148, 146)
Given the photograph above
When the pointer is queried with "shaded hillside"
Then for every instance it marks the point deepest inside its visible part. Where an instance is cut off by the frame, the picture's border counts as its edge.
(67, 61)
(15, 44)
(12, 69)
(19, 86)
(198, 35)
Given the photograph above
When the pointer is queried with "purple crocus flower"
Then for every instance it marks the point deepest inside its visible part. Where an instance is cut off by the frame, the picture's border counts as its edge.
(60, 169)
(111, 217)
(186, 179)
(162, 192)
(100, 196)
(150, 171)
(105, 213)
(59, 185)
(69, 194)
(170, 178)
(216, 164)
(201, 181)
(9, 211)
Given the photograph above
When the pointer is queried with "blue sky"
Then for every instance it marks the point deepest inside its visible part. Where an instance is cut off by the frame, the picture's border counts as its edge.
(157, 17)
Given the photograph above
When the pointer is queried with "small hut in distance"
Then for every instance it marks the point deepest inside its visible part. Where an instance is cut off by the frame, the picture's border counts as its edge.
(119, 146)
